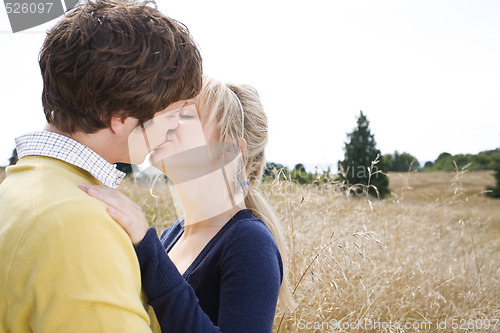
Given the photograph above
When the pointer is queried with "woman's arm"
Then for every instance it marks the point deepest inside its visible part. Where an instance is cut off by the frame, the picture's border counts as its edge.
(172, 297)
(250, 279)
(251, 276)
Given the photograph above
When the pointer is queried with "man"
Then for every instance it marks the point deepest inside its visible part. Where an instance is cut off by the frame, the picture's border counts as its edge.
(65, 266)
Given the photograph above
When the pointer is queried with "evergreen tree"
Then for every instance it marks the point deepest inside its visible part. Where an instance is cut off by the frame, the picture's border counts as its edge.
(359, 152)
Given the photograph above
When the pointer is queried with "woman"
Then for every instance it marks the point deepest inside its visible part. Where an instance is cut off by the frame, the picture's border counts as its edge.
(218, 268)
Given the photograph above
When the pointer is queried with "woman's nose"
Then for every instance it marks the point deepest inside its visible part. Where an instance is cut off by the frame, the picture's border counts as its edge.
(173, 122)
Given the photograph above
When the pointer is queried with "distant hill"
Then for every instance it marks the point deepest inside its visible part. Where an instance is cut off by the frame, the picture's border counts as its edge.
(485, 160)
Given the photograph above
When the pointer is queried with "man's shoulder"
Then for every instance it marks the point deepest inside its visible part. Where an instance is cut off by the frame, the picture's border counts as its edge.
(42, 182)
(42, 197)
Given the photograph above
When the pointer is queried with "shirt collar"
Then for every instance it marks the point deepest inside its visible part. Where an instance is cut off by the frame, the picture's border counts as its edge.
(70, 151)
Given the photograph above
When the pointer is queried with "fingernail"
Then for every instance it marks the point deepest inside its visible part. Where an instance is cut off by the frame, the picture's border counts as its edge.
(111, 210)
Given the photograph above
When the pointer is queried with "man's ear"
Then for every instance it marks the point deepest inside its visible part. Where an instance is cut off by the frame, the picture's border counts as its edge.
(243, 145)
(117, 124)
(121, 125)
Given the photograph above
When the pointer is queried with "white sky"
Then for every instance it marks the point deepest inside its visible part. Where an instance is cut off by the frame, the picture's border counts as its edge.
(425, 72)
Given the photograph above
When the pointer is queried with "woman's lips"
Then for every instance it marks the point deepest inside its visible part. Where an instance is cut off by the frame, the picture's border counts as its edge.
(167, 140)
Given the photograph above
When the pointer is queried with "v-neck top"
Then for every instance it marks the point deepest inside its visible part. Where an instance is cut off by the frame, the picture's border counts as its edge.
(172, 235)
(231, 286)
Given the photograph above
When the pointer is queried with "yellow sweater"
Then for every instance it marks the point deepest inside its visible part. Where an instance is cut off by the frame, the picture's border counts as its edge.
(65, 264)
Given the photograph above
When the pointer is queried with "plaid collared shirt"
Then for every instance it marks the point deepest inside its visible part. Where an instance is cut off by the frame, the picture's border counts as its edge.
(68, 150)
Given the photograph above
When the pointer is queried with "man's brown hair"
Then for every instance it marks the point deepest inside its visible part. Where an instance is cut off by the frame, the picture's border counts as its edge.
(115, 57)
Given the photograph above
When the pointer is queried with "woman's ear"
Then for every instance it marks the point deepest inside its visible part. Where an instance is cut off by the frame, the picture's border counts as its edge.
(243, 145)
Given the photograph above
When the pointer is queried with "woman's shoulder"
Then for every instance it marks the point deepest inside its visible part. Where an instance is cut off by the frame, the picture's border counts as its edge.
(249, 240)
(246, 230)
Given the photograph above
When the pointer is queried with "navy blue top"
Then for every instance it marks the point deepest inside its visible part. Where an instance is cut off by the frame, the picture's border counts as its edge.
(232, 286)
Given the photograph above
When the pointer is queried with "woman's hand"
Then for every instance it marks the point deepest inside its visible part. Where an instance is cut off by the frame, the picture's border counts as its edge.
(123, 210)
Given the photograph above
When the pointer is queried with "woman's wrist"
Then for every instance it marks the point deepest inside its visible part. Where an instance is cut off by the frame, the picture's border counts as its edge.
(138, 235)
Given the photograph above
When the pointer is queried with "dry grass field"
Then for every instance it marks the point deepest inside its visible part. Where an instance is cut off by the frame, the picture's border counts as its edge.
(425, 260)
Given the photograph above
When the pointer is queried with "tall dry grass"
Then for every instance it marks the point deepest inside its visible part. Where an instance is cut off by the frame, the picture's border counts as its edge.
(428, 256)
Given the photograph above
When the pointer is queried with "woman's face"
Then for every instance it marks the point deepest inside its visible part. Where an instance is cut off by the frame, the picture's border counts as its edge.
(192, 148)
(151, 134)
(192, 151)
(185, 135)
(185, 150)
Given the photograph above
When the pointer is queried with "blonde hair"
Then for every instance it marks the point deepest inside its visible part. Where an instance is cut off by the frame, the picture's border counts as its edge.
(238, 111)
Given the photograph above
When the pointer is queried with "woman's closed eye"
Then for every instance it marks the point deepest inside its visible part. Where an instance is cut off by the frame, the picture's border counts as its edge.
(182, 114)
(188, 111)
(186, 116)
